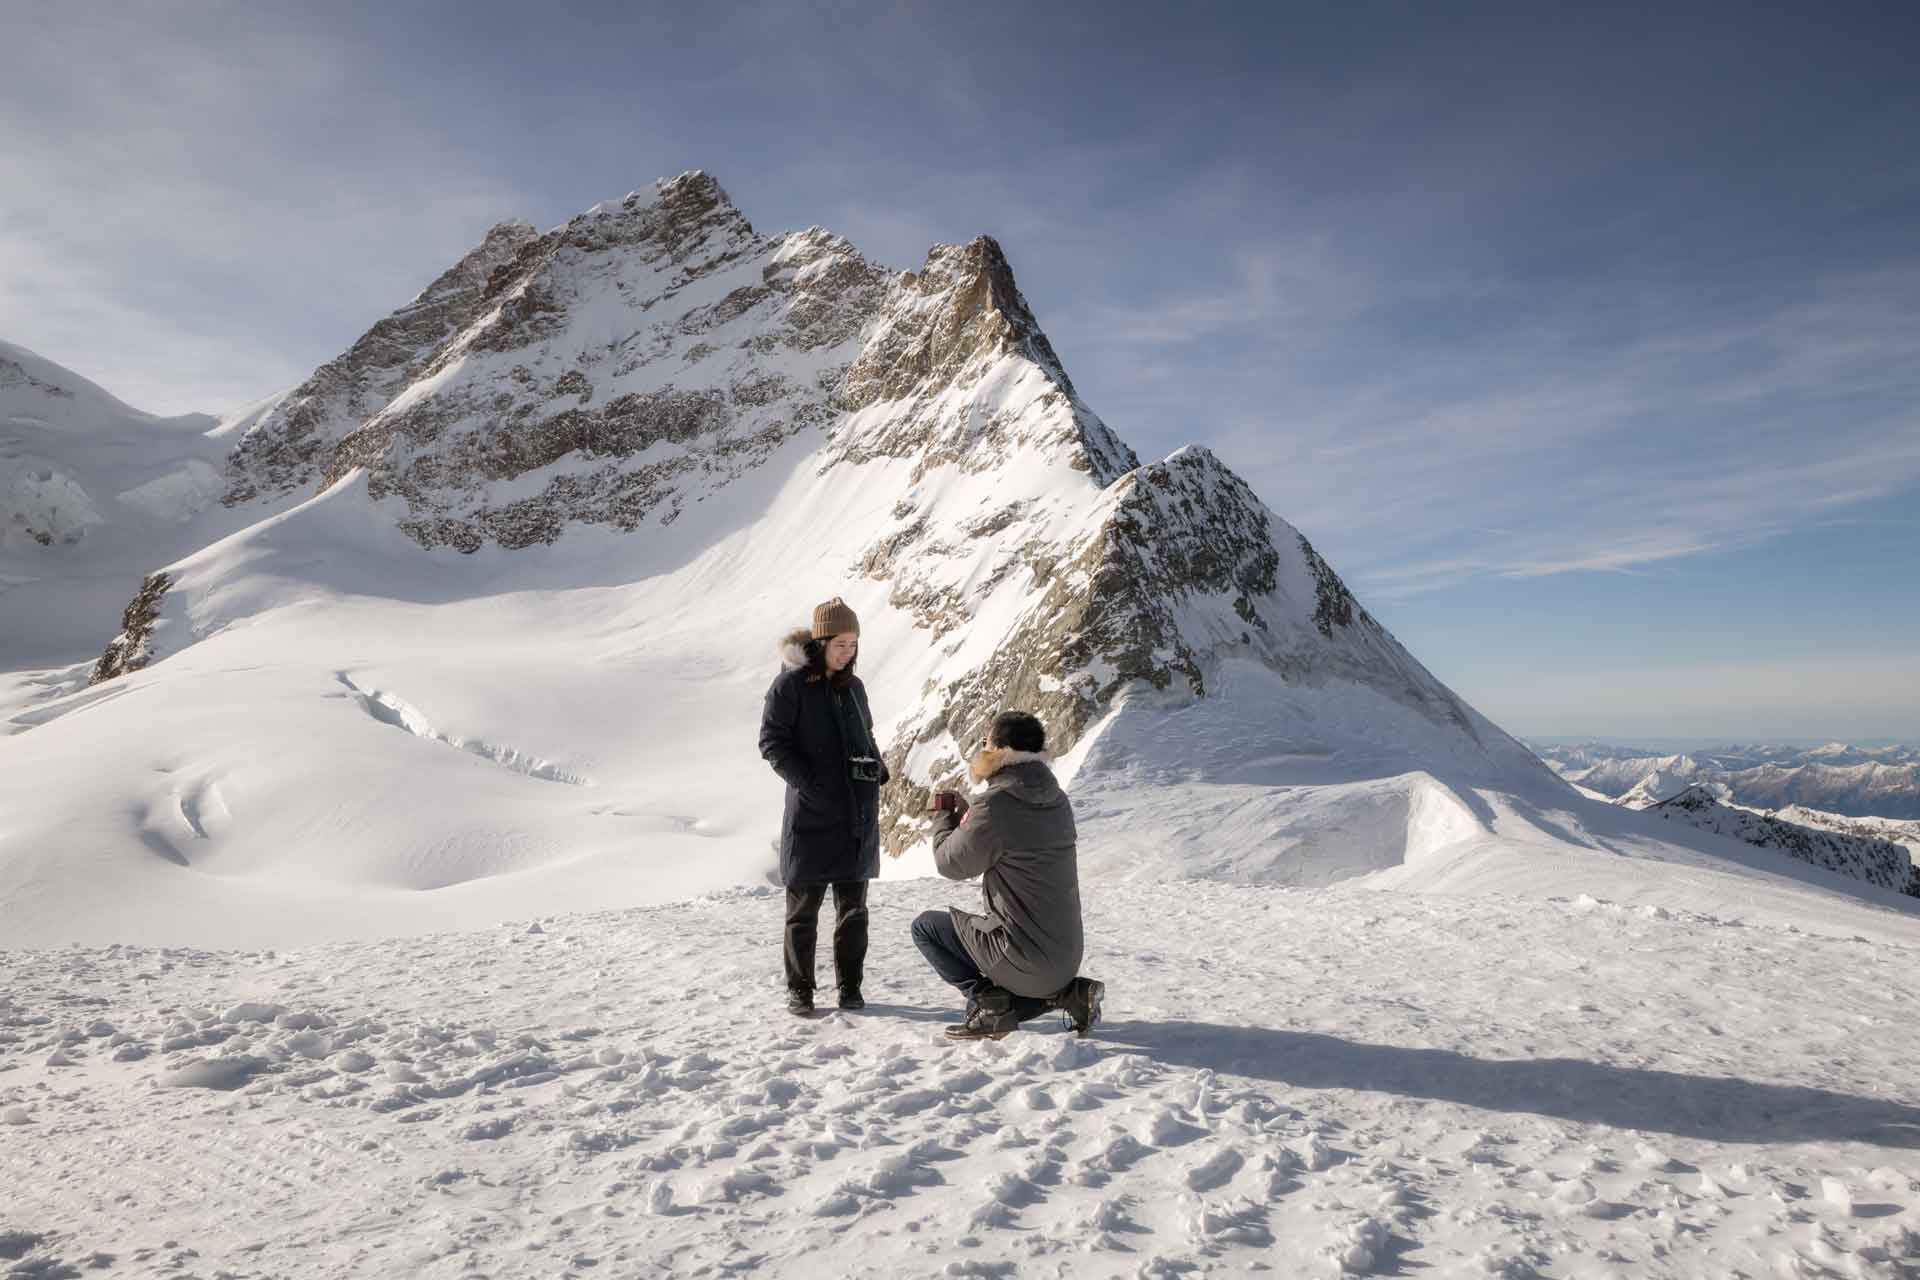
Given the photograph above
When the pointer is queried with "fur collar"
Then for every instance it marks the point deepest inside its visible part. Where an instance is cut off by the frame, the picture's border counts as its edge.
(793, 648)
(993, 759)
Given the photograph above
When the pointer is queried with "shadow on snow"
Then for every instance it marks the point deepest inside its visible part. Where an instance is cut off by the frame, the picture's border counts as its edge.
(1715, 1108)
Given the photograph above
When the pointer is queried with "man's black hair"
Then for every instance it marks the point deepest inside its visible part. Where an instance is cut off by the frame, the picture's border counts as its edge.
(1020, 730)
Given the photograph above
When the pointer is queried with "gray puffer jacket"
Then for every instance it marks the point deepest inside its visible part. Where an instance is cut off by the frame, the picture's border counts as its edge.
(1019, 838)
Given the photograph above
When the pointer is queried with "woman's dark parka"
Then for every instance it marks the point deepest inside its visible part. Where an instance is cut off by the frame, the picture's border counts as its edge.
(830, 830)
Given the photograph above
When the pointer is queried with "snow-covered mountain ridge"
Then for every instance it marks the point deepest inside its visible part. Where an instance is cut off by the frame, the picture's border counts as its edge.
(647, 355)
(93, 493)
(1864, 857)
(489, 602)
(1835, 778)
(1902, 833)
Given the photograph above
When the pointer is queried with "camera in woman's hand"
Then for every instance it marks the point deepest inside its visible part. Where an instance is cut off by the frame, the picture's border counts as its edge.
(943, 801)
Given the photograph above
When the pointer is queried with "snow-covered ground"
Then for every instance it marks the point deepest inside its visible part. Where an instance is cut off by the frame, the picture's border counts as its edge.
(1299, 1081)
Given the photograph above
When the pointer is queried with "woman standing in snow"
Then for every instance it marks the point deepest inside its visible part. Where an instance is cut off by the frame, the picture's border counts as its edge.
(816, 730)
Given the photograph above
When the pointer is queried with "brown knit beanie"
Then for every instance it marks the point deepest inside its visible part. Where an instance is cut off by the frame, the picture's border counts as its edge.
(834, 618)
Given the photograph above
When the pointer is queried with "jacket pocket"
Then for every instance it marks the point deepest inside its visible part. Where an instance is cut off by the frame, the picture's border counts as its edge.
(811, 808)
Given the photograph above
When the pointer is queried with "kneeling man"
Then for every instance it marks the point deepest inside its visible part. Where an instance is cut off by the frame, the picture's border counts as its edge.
(1020, 957)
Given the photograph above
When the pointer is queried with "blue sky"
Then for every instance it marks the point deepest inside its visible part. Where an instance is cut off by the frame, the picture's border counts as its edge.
(1583, 340)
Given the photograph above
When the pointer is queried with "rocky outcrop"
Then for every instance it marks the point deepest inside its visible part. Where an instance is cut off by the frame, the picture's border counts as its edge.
(684, 395)
(1876, 861)
(133, 647)
(294, 446)
(1182, 565)
(945, 330)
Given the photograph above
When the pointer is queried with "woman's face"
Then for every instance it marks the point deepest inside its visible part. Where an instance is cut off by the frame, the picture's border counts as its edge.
(841, 650)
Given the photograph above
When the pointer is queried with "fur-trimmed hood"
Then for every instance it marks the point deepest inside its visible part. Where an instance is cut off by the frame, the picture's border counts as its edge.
(1026, 776)
(992, 760)
(793, 648)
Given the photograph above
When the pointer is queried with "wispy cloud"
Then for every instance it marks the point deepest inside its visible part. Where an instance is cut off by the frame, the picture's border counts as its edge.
(1492, 448)
(173, 229)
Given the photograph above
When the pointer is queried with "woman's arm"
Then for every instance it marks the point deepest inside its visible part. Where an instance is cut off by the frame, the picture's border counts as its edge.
(779, 740)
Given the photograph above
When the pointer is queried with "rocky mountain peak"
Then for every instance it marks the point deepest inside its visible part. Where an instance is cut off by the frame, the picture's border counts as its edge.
(958, 334)
(979, 282)
(648, 353)
(692, 202)
(704, 323)
(290, 448)
(666, 329)
(1693, 798)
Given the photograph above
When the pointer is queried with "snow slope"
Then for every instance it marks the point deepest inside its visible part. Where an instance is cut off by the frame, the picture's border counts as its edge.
(1306, 1082)
(93, 494)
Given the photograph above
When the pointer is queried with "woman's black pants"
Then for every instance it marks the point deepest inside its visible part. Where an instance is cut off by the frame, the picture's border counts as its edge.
(849, 933)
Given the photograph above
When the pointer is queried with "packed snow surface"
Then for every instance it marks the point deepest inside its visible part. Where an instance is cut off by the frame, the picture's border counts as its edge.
(1314, 1082)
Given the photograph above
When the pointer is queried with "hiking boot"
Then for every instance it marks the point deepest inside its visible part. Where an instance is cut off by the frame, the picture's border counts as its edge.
(850, 998)
(799, 1002)
(1081, 1003)
(989, 1017)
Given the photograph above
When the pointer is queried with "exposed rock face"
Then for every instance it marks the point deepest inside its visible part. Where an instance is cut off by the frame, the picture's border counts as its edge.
(1180, 564)
(1879, 862)
(294, 445)
(723, 346)
(944, 331)
(132, 649)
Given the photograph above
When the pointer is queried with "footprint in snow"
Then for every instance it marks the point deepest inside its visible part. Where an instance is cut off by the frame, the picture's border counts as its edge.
(1216, 1169)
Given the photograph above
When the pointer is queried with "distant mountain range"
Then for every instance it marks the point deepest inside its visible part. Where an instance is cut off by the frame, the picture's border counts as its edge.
(1836, 778)
(1852, 849)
